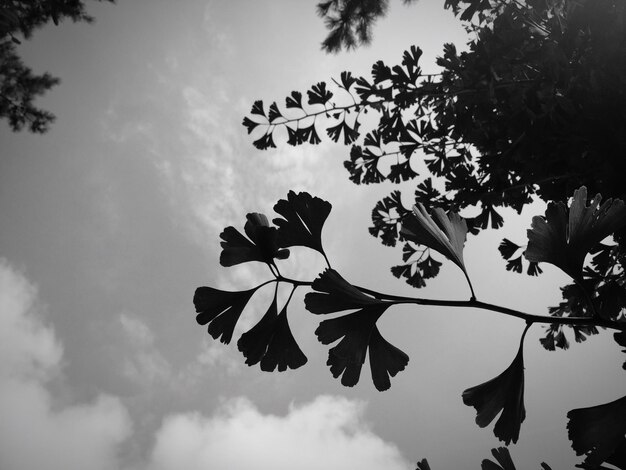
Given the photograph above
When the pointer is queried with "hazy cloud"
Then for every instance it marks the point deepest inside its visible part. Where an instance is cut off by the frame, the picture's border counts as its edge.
(35, 431)
(328, 433)
(146, 365)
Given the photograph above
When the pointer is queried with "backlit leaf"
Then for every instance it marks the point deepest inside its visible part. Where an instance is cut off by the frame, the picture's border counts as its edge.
(444, 233)
(564, 237)
(599, 432)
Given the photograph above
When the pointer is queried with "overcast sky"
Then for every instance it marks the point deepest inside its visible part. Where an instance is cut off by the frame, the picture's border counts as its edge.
(112, 219)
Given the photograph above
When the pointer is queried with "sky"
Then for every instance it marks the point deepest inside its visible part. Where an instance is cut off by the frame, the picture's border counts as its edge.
(111, 220)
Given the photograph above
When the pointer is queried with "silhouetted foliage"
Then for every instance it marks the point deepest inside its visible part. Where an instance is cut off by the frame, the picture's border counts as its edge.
(533, 109)
(19, 86)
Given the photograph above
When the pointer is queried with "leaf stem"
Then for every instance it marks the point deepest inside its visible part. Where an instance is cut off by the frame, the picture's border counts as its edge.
(473, 303)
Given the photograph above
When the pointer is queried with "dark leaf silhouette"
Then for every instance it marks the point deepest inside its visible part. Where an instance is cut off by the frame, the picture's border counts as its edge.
(257, 108)
(563, 238)
(386, 217)
(415, 272)
(265, 142)
(319, 94)
(347, 357)
(599, 433)
(515, 264)
(261, 244)
(350, 133)
(386, 360)
(334, 294)
(357, 332)
(294, 101)
(347, 80)
(271, 343)
(274, 113)
(249, 124)
(533, 269)
(302, 135)
(505, 394)
(363, 166)
(503, 459)
(507, 248)
(423, 465)
(303, 220)
(220, 309)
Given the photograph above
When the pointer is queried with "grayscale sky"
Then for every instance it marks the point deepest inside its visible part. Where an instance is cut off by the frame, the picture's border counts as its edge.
(112, 219)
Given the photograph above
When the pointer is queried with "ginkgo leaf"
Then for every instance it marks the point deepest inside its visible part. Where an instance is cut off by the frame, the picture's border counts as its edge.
(423, 465)
(503, 459)
(386, 360)
(249, 124)
(507, 248)
(599, 433)
(386, 217)
(261, 244)
(274, 113)
(271, 343)
(444, 233)
(282, 351)
(358, 333)
(318, 94)
(294, 101)
(220, 309)
(505, 394)
(303, 219)
(564, 238)
(265, 142)
(332, 293)
(380, 72)
(350, 134)
(257, 108)
(347, 79)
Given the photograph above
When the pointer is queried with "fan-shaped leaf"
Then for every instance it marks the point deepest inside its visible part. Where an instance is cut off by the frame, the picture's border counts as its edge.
(332, 293)
(294, 101)
(220, 309)
(271, 343)
(261, 244)
(444, 233)
(257, 108)
(303, 220)
(599, 432)
(249, 124)
(505, 394)
(503, 459)
(318, 94)
(564, 237)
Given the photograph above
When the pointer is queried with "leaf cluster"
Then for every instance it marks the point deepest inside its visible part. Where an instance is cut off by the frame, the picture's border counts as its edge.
(352, 331)
(19, 86)
(533, 108)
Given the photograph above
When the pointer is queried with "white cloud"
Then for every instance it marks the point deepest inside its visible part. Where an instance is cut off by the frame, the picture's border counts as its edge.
(35, 431)
(328, 433)
(28, 350)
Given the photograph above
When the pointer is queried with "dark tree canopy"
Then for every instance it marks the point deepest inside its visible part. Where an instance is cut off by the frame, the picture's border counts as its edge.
(19, 86)
(350, 21)
(533, 108)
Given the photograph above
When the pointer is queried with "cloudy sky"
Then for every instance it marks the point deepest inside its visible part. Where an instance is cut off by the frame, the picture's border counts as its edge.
(112, 219)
